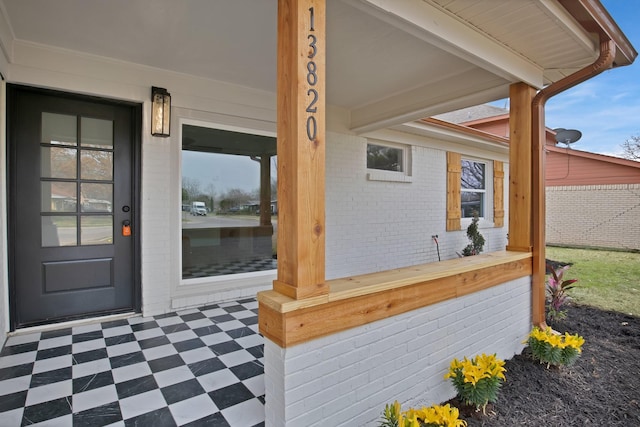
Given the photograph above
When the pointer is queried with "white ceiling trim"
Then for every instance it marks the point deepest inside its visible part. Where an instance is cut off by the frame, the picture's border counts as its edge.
(430, 99)
(435, 26)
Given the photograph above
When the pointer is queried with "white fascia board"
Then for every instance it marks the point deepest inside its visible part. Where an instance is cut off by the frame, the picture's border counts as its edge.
(445, 31)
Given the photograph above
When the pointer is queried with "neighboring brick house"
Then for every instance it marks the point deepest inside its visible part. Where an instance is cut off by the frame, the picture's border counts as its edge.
(593, 200)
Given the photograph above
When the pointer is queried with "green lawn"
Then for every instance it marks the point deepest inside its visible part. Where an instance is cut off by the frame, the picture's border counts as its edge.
(606, 279)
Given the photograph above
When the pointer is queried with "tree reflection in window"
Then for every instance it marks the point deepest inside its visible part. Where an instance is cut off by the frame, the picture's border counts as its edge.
(384, 158)
(473, 188)
(229, 202)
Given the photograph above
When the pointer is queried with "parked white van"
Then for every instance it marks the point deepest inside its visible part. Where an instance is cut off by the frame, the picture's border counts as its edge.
(198, 208)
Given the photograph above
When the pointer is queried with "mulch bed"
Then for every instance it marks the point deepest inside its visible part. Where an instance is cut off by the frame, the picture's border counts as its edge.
(601, 389)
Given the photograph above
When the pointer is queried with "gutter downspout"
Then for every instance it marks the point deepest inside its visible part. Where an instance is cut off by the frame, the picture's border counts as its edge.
(604, 62)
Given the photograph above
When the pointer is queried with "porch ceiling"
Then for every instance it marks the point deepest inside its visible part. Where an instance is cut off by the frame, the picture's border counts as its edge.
(388, 61)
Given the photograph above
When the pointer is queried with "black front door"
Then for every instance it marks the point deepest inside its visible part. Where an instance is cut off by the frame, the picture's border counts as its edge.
(71, 186)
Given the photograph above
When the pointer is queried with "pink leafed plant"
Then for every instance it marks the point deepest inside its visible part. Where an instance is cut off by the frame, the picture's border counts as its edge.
(557, 289)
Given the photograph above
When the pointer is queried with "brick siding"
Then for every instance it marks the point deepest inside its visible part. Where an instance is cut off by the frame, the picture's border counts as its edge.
(594, 215)
(380, 225)
(331, 381)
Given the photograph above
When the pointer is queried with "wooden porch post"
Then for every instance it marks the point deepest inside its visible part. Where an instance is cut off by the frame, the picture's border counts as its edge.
(301, 148)
(265, 189)
(520, 168)
(527, 189)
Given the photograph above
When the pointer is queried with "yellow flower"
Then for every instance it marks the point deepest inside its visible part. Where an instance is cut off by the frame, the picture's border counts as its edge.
(574, 341)
(473, 374)
(409, 419)
(445, 416)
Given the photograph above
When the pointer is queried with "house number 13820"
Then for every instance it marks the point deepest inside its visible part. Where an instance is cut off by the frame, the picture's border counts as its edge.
(312, 80)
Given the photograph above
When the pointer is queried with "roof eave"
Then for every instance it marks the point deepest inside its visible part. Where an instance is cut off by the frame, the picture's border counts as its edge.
(594, 156)
(593, 16)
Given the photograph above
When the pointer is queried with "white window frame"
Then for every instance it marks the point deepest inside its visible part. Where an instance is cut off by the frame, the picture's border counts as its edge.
(222, 282)
(485, 220)
(404, 175)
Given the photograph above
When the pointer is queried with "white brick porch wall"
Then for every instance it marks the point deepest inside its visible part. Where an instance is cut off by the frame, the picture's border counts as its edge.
(156, 207)
(594, 215)
(379, 225)
(347, 378)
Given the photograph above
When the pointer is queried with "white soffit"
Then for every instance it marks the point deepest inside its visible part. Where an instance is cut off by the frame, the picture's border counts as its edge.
(500, 42)
(541, 31)
(388, 61)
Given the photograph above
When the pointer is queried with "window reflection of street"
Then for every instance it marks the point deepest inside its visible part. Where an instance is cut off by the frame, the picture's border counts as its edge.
(62, 231)
(228, 187)
(216, 221)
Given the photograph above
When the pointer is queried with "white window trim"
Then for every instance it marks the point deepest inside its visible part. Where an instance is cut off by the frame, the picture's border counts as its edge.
(392, 176)
(213, 284)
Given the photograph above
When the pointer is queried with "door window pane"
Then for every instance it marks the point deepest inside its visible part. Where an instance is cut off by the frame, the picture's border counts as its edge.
(96, 230)
(96, 165)
(58, 162)
(59, 231)
(96, 133)
(96, 197)
(58, 196)
(59, 129)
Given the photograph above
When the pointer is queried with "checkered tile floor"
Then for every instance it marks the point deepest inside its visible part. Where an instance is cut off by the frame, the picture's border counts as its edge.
(229, 268)
(191, 368)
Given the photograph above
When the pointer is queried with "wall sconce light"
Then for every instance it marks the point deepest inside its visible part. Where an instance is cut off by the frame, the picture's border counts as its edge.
(160, 111)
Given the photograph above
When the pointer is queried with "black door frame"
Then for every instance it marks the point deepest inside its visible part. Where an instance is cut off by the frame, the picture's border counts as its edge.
(136, 153)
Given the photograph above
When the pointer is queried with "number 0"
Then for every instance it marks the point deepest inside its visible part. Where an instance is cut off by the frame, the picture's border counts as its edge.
(312, 128)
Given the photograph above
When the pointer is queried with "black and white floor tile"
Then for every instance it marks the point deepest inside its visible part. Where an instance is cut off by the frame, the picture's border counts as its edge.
(261, 264)
(198, 367)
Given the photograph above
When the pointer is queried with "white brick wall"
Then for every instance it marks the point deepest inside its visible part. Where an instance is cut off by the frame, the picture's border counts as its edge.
(594, 215)
(156, 254)
(377, 225)
(347, 378)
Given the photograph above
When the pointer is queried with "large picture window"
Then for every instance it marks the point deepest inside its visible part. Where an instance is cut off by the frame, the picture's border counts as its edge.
(229, 202)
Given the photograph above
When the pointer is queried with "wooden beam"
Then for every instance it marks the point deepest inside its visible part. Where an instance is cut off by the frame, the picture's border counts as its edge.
(301, 148)
(498, 193)
(359, 300)
(454, 202)
(265, 189)
(520, 167)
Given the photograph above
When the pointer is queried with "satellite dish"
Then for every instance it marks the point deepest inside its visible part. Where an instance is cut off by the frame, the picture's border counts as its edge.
(567, 136)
